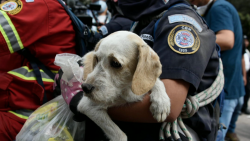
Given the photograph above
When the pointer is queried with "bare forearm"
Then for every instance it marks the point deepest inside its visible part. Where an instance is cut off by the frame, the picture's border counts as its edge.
(134, 112)
(139, 112)
(225, 39)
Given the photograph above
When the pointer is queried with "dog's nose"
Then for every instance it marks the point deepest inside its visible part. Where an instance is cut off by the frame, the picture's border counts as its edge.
(87, 88)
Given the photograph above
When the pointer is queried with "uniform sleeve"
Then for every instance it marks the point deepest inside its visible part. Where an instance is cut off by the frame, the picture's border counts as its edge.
(110, 27)
(221, 19)
(23, 25)
(43, 26)
(117, 24)
(183, 46)
(3, 45)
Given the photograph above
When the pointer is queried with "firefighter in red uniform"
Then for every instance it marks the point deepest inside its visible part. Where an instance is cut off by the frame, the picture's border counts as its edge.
(45, 29)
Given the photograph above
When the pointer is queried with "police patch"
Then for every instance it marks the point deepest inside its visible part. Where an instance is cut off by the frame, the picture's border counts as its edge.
(183, 39)
(12, 6)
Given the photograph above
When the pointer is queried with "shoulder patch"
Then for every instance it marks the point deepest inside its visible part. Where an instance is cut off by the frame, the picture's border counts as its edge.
(12, 6)
(184, 18)
(147, 37)
(183, 40)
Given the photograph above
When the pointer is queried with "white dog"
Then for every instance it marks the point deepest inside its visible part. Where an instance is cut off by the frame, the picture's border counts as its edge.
(121, 69)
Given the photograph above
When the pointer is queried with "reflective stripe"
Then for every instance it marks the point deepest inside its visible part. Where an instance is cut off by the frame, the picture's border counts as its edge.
(10, 33)
(19, 115)
(27, 74)
(24, 112)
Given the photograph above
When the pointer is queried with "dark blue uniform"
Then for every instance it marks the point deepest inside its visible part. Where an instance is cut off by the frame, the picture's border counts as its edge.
(117, 23)
(187, 51)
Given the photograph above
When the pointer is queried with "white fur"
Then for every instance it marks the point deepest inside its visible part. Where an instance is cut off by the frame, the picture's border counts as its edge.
(113, 85)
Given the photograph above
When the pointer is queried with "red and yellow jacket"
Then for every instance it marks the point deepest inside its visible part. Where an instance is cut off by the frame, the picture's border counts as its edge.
(45, 29)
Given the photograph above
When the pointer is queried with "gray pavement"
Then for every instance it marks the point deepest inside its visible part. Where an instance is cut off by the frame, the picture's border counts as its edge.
(243, 126)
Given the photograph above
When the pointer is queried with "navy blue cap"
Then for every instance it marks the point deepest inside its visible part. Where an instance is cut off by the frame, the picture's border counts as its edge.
(137, 9)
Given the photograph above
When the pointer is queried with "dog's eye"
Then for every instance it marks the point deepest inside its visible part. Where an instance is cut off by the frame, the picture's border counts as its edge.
(115, 64)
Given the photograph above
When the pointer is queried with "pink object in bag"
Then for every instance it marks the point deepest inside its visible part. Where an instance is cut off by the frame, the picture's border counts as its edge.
(68, 92)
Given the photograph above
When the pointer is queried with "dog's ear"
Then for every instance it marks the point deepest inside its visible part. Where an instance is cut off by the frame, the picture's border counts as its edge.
(89, 61)
(88, 64)
(147, 71)
(97, 45)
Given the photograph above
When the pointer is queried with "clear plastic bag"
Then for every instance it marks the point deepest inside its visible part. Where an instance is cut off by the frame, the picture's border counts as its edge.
(53, 121)
(71, 70)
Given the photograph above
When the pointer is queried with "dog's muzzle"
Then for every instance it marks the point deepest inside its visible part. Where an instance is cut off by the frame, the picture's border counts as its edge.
(87, 88)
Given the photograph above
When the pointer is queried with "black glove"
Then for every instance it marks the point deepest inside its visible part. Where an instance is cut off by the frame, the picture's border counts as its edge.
(78, 117)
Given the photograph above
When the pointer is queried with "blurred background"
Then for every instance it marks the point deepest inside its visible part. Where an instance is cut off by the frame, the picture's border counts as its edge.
(243, 8)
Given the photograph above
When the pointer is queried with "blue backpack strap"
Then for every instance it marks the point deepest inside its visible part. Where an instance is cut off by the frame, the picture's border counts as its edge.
(156, 24)
(79, 28)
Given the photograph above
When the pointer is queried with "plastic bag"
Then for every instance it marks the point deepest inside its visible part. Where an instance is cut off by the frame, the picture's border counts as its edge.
(53, 121)
(71, 79)
(71, 70)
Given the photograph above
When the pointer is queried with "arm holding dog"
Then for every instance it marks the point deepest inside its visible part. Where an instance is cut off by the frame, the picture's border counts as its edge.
(187, 56)
(116, 74)
(139, 112)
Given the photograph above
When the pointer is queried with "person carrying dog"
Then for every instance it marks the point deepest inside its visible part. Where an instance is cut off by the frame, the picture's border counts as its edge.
(190, 64)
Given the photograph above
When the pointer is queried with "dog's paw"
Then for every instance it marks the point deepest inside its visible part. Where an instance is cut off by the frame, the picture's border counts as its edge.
(119, 137)
(160, 106)
(84, 105)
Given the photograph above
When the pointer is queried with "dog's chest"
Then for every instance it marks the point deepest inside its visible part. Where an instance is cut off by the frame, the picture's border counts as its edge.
(131, 97)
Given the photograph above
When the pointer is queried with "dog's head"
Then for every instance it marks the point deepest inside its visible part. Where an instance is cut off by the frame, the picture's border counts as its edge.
(119, 62)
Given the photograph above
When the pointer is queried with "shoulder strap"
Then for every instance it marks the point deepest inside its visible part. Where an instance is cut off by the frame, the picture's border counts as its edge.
(156, 24)
(36, 64)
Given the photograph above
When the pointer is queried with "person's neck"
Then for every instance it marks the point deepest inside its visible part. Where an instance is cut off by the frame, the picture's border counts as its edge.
(202, 9)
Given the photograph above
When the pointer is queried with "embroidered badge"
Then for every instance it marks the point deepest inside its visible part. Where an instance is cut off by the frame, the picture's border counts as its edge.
(184, 18)
(147, 37)
(183, 39)
(12, 6)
